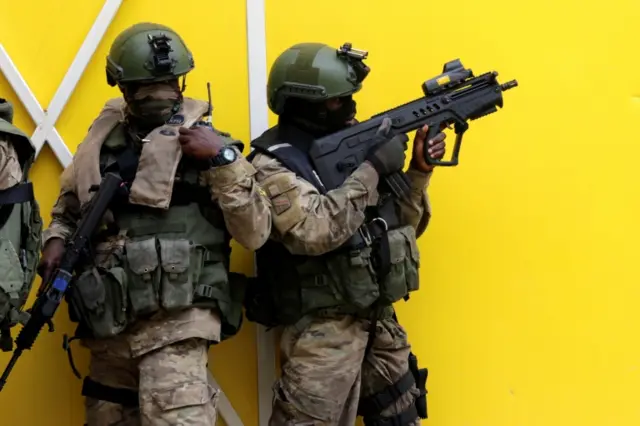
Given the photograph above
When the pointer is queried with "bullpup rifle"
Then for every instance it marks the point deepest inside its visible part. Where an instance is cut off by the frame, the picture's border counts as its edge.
(452, 98)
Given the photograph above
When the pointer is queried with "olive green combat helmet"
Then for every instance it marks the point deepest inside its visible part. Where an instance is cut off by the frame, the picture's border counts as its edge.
(315, 71)
(147, 53)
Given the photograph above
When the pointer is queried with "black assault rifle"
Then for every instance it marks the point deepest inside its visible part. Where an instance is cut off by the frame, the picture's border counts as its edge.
(53, 290)
(453, 97)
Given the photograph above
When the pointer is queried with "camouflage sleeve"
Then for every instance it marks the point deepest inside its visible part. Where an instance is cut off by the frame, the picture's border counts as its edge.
(10, 170)
(416, 211)
(66, 210)
(243, 203)
(306, 221)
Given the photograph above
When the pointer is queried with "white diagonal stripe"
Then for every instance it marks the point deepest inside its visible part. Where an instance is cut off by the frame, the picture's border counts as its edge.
(75, 71)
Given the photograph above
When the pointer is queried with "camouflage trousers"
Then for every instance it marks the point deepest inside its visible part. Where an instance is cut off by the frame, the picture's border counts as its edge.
(325, 371)
(173, 385)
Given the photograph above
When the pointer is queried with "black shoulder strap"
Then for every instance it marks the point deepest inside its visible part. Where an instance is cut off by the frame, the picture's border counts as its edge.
(21, 193)
(17, 194)
(294, 159)
(125, 163)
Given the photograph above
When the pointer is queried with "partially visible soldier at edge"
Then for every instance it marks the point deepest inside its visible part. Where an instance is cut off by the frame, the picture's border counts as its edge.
(158, 291)
(20, 224)
(343, 352)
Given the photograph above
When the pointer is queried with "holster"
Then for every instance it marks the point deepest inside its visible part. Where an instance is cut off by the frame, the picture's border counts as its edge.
(420, 376)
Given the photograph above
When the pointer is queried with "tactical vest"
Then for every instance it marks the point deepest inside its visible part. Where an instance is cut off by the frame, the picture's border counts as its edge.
(157, 259)
(20, 238)
(376, 268)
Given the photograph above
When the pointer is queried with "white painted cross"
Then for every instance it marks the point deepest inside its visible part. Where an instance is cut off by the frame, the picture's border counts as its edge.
(45, 120)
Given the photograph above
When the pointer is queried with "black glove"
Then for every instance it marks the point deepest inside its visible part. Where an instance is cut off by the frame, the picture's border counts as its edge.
(387, 155)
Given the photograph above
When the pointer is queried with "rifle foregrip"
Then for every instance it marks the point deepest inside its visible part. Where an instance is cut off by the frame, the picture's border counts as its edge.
(432, 133)
(29, 333)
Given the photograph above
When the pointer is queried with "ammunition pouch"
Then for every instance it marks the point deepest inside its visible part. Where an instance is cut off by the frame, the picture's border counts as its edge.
(157, 266)
(99, 300)
(404, 259)
(344, 278)
(162, 273)
(358, 273)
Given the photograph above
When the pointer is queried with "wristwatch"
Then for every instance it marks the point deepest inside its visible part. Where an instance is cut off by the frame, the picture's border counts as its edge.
(226, 155)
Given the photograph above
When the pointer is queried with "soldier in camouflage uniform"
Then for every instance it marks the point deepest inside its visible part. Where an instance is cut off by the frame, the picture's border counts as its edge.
(20, 224)
(343, 352)
(157, 291)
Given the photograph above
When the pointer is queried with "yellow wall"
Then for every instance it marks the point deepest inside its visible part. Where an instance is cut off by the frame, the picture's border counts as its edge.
(42, 38)
(528, 309)
(527, 315)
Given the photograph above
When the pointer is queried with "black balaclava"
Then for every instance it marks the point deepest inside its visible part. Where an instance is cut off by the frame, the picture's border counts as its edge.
(316, 118)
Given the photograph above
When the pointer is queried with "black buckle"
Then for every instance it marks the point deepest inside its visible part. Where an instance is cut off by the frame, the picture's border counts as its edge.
(368, 233)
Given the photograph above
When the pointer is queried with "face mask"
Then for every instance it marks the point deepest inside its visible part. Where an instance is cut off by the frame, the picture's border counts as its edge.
(153, 104)
(339, 119)
(317, 118)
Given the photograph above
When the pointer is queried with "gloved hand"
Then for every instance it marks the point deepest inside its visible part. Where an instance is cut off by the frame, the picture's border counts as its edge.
(51, 256)
(387, 155)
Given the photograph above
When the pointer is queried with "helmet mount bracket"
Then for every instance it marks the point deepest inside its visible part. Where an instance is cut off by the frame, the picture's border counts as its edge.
(162, 63)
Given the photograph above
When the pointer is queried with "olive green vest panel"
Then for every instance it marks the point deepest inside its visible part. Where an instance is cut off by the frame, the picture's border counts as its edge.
(349, 280)
(20, 239)
(159, 260)
(336, 282)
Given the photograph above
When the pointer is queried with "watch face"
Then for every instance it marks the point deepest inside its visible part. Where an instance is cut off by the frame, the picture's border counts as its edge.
(229, 154)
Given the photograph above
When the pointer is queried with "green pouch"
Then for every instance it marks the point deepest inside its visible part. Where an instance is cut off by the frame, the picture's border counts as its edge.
(143, 275)
(12, 279)
(100, 298)
(351, 272)
(318, 288)
(403, 272)
(412, 262)
(179, 259)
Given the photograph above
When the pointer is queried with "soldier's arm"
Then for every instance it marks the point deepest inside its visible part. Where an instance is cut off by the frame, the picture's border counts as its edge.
(243, 203)
(10, 170)
(308, 222)
(416, 210)
(66, 210)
